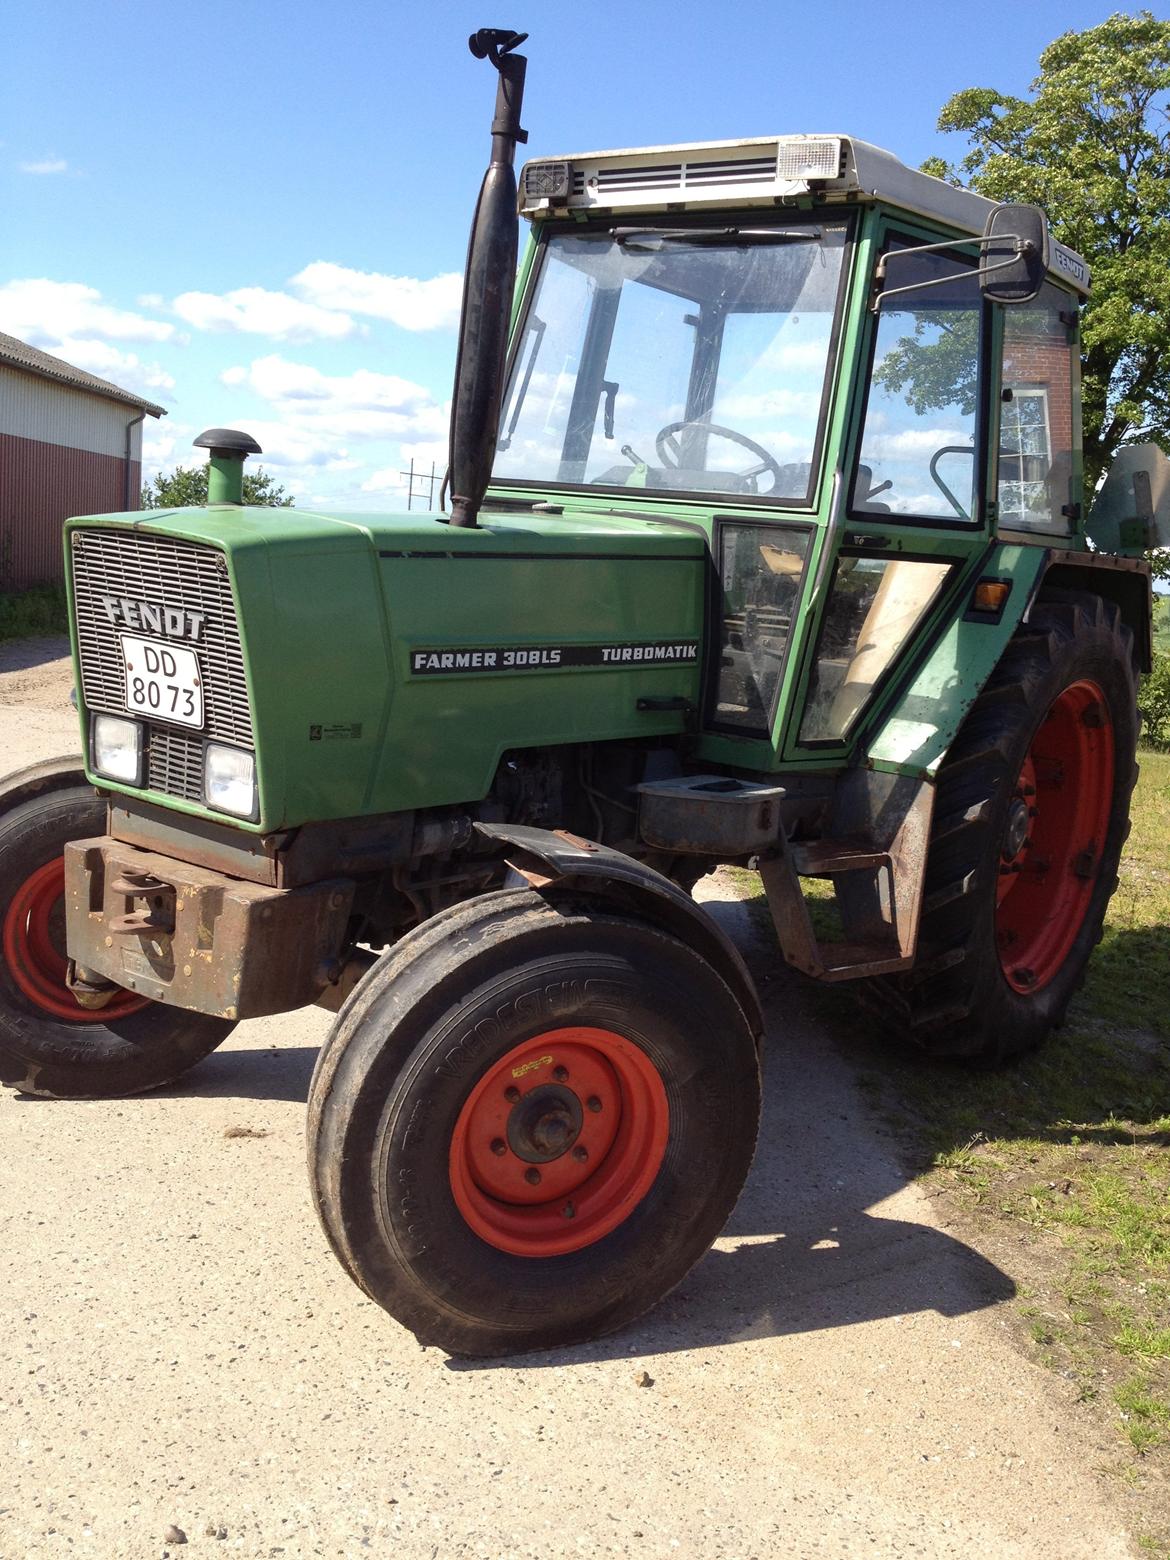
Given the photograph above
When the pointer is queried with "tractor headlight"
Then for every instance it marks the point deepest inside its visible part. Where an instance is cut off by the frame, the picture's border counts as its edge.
(117, 748)
(229, 780)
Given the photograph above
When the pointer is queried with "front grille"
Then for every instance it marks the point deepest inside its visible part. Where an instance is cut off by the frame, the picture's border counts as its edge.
(162, 571)
(174, 763)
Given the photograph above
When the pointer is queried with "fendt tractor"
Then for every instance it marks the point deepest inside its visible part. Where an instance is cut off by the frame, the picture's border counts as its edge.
(766, 544)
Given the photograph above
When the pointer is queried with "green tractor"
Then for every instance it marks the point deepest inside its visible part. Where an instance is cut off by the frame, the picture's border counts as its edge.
(766, 545)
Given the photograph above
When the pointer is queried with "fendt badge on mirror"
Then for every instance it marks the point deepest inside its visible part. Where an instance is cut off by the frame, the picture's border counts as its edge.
(157, 617)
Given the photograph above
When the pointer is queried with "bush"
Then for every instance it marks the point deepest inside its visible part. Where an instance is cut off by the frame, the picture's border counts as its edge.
(1154, 702)
(39, 610)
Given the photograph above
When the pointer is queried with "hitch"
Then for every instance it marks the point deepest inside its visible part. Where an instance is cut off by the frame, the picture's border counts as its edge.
(159, 916)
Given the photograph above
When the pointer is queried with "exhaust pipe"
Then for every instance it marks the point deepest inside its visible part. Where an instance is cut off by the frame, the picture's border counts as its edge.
(487, 288)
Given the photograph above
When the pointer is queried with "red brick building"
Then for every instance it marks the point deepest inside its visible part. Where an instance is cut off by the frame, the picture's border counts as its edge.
(70, 444)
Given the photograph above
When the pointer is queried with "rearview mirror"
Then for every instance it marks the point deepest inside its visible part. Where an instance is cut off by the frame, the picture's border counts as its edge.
(1013, 257)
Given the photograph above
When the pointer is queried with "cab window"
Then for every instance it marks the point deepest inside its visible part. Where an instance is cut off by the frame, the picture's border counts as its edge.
(918, 446)
(1037, 415)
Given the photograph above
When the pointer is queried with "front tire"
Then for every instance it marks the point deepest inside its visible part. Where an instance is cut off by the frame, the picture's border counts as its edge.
(530, 1121)
(48, 1044)
(1031, 815)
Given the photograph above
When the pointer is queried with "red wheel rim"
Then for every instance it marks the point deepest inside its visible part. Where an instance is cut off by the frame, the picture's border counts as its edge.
(559, 1142)
(1058, 819)
(34, 950)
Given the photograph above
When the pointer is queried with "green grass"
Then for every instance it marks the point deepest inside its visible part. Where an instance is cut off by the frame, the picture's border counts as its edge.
(39, 610)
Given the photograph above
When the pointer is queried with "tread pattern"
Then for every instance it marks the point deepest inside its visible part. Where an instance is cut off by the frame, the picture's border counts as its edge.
(954, 1001)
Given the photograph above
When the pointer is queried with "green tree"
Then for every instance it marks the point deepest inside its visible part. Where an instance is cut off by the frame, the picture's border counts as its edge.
(186, 488)
(1092, 146)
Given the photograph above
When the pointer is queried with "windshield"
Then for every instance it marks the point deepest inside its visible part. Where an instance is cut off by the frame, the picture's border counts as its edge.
(695, 360)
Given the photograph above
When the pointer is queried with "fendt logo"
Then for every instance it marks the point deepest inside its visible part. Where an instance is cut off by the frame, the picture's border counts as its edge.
(154, 617)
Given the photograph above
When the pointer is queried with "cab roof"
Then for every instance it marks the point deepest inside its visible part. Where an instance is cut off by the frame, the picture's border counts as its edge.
(761, 171)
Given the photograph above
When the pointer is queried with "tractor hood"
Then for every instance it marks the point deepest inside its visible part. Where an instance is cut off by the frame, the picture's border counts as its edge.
(376, 663)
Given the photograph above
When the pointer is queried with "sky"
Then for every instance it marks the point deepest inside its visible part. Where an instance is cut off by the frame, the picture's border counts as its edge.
(257, 214)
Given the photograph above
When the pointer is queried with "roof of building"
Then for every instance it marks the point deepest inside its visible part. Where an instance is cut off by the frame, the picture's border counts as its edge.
(31, 360)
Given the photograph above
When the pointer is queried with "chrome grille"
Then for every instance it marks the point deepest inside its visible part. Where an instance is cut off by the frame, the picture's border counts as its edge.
(162, 570)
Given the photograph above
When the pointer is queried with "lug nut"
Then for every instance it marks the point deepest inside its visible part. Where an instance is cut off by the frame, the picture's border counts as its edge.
(532, 1176)
(560, 1074)
(499, 1146)
(512, 1094)
(581, 1153)
(593, 1104)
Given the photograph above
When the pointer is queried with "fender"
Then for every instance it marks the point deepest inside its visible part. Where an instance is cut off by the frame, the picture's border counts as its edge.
(546, 859)
(1124, 581)
(913, 734)
(52, 774)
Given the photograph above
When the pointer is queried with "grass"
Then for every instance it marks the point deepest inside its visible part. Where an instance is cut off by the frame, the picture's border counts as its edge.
(1070, 1149)
(38, 610)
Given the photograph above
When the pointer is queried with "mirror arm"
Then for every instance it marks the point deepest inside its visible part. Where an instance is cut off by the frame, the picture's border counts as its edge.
(879, 275)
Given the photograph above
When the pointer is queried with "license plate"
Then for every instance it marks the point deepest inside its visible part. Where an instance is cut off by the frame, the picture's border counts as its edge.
(162, 680)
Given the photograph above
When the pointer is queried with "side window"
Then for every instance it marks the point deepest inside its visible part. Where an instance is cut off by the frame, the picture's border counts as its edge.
(874, 606)
(919, 446)
(1036, 440)
(760, 573)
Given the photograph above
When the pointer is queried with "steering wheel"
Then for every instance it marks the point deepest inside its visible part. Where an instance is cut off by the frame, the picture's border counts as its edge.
(669, 450)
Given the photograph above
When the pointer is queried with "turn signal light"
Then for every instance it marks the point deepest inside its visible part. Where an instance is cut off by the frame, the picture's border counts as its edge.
(990, 595)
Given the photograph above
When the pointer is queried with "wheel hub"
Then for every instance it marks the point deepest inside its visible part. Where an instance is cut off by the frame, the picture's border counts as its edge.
(1016, 833)
(559, 1141)
(544, 1124)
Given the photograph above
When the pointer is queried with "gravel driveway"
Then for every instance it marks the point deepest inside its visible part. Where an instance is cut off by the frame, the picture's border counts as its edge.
(182, 1353)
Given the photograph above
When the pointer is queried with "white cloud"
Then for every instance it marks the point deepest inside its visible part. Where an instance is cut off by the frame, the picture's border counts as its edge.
(151, 301)
(406, 301)
(259, 312)
(389, 480)
(341, 407)
(780, 402)
(45, 165)
(42, 312)
(313, 421)
(168, 445)
(287, 445)
(911, 443)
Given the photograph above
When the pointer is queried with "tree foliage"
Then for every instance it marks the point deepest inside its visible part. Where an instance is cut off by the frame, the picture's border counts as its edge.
(1092, 146)
(186, 488)
(938, 365)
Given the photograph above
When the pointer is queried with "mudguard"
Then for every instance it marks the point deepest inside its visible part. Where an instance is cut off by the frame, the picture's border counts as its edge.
(51, 774)
(545, 859)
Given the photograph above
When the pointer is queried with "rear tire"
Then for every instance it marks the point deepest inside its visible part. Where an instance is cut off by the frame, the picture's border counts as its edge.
(48, 1044)
(529, 1122)
(1031, 814)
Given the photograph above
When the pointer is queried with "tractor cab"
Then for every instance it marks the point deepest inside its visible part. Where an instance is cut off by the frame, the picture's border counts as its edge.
(858, 382)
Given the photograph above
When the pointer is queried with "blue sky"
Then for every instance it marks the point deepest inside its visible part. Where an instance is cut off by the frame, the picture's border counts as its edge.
(256, 214)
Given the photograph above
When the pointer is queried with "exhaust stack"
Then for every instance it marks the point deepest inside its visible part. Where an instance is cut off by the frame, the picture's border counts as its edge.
(225, 466)
(487, 287)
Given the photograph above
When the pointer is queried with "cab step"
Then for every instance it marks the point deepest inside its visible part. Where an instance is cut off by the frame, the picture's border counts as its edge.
(826, 858)
(877, 876)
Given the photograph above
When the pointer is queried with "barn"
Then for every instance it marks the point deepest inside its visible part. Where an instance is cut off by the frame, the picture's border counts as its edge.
(70, 444)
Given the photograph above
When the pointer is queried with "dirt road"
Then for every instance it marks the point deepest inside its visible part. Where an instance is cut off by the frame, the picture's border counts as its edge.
(180, 1347)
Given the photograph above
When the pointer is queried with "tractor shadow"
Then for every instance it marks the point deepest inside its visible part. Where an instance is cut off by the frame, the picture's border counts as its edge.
(252, 1073)
(803, 1251)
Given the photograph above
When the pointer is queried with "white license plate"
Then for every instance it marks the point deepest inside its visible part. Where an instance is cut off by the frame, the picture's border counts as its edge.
(162, 680)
